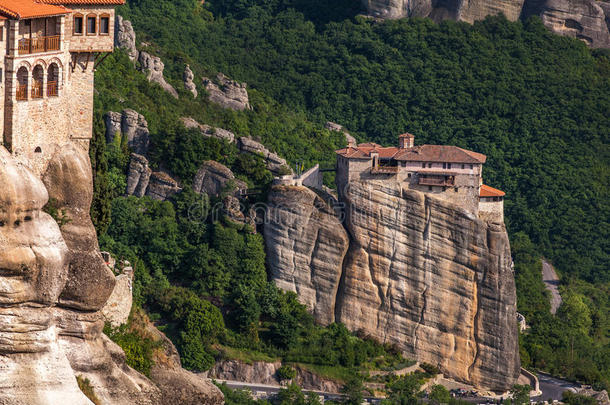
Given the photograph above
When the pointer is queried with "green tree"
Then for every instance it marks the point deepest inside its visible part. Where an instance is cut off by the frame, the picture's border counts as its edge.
(520, 394)
(439, 395)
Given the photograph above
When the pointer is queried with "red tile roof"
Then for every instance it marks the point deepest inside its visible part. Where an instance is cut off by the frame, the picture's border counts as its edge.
(29, 9)
(422, 153)
(487, 191)
(101, 2)
(439, 153)
(406, 135)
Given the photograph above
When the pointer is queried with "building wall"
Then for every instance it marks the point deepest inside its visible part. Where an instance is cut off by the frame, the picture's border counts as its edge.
(490, 210)
(79, 99)
(86, 42)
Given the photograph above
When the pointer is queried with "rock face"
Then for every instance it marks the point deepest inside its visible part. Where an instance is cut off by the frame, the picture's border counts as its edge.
(214, 178)
(153, 67)
(419, 273)
(162, 186)
(227, 93)
(273, 161)
(138, 175)
(333, 126)
(116, 309)
(125, 37)
(583, 19)
(130, 124)
(209, 131)
(188, 77)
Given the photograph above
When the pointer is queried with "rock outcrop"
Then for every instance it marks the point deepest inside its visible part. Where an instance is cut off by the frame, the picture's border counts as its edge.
(227, 93)
(419, 273)
(274, 162)
(209, 131)
(116, 310)
(333, 126)
(188, 78)
(53, 284)
(583, 19)
(154, 67)
(125, 37)
(138, 175)
(214, 178)
(162, 186)
(130, 124)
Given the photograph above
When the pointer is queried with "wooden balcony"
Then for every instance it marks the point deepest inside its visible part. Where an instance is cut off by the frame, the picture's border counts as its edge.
(39, 44)
(37, 89)
(384, 170)
(442, 181)
(22, 92)
(52, 89)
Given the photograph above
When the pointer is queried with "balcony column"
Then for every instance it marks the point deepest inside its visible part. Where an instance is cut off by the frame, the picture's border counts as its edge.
(13, 33)
(45, 72)
(60, 29)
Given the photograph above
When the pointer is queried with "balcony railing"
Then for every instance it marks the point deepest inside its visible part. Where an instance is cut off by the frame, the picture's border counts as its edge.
(39, 44)
(37, 89)
(436, 181)
(22, 92)
(384, 170)
(52, 89)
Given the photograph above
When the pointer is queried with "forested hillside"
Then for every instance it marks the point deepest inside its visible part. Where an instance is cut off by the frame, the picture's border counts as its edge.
(535, 103)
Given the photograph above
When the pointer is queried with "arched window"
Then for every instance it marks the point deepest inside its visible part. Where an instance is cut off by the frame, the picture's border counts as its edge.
(22, 83)
(38, 149)
(91, 24)
(53, 80)
(78, 25)
(105, 24)
(37, 81)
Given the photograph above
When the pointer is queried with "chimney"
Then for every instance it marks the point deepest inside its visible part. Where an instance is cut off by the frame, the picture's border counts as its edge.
(405, 141)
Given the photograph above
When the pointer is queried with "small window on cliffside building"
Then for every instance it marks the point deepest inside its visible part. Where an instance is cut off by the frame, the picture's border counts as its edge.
(38, 149)
(104, 24)
(91, 24)
(78, 25)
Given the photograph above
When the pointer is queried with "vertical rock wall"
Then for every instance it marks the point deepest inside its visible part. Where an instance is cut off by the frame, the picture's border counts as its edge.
(420, 273)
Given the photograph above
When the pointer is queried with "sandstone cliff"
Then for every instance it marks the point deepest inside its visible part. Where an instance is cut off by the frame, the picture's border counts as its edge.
(587, 20)
(404, 268)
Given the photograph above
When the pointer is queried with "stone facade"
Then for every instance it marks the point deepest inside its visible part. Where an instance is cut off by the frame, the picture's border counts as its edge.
(47, 91)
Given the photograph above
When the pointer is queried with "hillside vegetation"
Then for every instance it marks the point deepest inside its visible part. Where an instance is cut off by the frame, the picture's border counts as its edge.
(536, 104)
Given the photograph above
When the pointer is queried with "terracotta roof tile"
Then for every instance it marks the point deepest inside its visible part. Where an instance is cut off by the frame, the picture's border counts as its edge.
(440, 153)
(487, 191)
(29, 9)
(104, 2)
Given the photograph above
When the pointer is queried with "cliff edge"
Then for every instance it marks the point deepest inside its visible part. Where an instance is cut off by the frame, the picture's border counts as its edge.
(405, 268)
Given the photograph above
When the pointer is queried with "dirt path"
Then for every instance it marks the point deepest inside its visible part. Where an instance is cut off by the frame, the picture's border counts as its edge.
(549, 276)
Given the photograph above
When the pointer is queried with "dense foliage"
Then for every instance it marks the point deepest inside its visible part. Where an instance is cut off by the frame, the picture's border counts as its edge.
(536, 104)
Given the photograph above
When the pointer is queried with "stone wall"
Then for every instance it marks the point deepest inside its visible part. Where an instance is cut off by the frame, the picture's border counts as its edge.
(491, 210)
(97, 42)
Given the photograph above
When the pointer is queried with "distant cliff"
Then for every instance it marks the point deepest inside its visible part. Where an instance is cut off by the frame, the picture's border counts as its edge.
(404, 268)
(587, 20)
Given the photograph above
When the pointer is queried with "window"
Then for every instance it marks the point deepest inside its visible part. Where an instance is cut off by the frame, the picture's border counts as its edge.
(429, 165)
(455, 189)
(423, 165)
(91, 24)
(429, 188)
(448, 165)
(471, 166)
(463, 166)
(104, 24)
(409, 175)
(78, 25)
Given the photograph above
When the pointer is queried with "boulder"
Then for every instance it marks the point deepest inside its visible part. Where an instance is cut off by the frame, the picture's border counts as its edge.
(209, 131)
(138, 175)
(162, 186)
(154, 67)
(125, 37)
(227, 93)
(188, 77)
(213, 178)
(130, 124)
(274, 162)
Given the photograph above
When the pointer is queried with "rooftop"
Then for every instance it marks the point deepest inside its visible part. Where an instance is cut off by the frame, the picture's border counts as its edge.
(421, 153)
(29, 9)
(86, 2)
(487, 191)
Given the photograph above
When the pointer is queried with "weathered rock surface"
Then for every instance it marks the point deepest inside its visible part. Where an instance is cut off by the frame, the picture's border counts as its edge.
(213, 178)
(333, 126)
(188, 78)
(307, 244)
(162, 186)
(125, 37)
(130, 124)
(153, 67)
(419, 273)
(209, 131)
(138, 175)
(227, 93)
(583, 19)
(116, 309)
(274, 162)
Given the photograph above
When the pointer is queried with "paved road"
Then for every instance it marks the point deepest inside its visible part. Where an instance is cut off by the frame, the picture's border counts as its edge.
(553, 387)
(549, 276)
